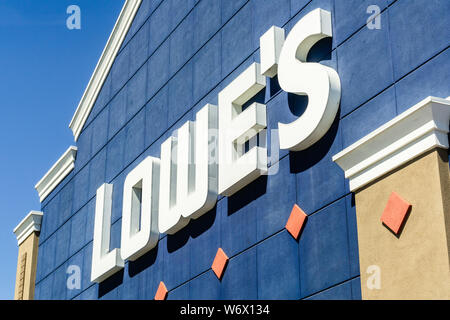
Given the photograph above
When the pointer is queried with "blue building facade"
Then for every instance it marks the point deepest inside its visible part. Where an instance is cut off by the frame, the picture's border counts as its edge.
(177, 56)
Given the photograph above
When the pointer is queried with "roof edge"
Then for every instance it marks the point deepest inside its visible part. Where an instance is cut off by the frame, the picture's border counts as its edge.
(412, 133)
(62, 167)
(29, 224)
(103, 66)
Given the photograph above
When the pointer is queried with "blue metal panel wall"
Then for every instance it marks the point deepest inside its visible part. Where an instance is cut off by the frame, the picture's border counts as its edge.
(176, 57)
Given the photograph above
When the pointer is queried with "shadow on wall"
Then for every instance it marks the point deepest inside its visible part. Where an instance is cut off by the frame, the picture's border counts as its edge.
(249, 193)
(174, 242)
(110, 284)
(300, 161)
(194, 229)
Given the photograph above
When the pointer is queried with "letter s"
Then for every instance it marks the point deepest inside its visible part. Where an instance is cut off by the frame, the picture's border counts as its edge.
(320, 83)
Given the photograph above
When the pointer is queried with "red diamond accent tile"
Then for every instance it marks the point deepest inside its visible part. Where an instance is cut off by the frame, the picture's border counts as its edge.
(220, 263)
(161, 293)
(395, 212)
(296, 221)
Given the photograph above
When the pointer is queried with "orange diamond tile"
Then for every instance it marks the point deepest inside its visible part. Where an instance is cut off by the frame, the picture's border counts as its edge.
(161, 293)
(395, 212)
(220, 263)
(295, 222)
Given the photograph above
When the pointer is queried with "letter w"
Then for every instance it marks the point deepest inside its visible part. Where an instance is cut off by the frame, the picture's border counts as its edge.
(188, 181)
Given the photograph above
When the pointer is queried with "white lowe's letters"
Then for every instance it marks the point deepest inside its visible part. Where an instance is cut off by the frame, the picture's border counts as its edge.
(320, 83)
(161, 196)
(271, 44)
(104, 262)
(188, 173)
(237, 169)
(140, 210)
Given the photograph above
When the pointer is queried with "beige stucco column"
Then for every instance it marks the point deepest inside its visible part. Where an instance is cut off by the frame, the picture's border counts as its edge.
(27, 234)
(402, 163)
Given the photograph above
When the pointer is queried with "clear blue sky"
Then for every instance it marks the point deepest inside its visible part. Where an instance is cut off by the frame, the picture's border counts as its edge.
(44, 69)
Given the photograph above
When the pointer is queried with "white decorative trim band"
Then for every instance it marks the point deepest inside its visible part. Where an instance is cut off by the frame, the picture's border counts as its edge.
(29, 224)
(419, 129)
(57, 173)
(109, 53)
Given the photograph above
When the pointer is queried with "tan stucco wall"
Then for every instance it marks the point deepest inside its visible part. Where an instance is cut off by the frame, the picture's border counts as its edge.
(30, 247)
(415, 264)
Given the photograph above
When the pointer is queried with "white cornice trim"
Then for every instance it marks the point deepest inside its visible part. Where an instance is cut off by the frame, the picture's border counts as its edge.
(57, 173)
(109, 53)
(29, 224)
(419, 129)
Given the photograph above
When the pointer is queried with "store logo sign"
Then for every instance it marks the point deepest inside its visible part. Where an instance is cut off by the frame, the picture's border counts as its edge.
(208, 157)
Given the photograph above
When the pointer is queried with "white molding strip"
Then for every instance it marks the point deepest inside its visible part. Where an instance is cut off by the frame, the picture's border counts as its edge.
(29, 224)
(419, 129)
(109, 53)
(57, 173)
